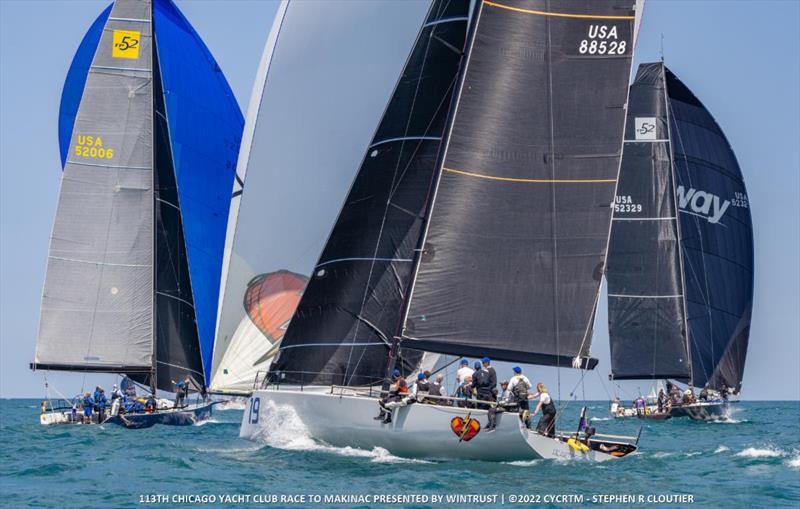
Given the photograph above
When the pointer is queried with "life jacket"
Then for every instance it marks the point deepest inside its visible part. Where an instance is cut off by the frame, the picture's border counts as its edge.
(435, 388)
(480, 380)
(402, 388)
(423, 386)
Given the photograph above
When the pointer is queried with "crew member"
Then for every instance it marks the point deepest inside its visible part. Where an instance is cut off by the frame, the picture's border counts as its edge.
(546, 425)
(486, 362)
(518, 388)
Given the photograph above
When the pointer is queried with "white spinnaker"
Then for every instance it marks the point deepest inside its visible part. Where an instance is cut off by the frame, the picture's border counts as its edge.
(97, 302)
(327, 73)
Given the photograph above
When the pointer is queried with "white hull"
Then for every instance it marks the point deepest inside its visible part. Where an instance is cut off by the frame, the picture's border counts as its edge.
(416, 431)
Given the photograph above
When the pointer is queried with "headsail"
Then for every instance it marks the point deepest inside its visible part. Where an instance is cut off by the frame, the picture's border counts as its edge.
(351, 309)
(518, 228)
(646, 315)
(300, 156)
(716, 240)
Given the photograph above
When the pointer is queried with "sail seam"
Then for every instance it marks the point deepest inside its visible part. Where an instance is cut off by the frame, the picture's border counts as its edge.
(364, 259)
(404, 138)
(632, 296)
(445, 20)
(557, 14)
(176, 298)
(646, 141)
(81, 163)
(112, 68)
(348, 344)
(643, 218)
(97, 263)
(135, 20)
(531, 181)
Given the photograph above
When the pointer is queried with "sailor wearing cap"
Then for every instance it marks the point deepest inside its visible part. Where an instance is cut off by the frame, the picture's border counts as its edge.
(492, 376)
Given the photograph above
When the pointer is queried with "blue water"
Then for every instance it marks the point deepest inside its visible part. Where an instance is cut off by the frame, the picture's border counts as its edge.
(752, 461)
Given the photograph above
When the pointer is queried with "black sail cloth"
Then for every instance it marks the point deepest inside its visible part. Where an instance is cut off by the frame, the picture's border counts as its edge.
(716, 241)
(352, 306)
(646, 318)
(519, 223)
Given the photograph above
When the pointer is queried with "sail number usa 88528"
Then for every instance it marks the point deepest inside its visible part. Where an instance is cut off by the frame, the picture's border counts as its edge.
(602, 40)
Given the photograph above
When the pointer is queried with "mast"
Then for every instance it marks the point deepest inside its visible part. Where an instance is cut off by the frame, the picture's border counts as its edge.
(154, 368)
(668, 113)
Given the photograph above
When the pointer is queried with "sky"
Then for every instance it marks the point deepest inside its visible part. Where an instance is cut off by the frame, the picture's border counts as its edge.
(742, 62)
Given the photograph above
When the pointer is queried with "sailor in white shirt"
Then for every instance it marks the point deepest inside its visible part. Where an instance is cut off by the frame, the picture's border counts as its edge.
(463, 372)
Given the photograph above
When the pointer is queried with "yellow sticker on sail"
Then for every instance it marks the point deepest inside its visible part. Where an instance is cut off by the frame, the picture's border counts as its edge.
(125, 44)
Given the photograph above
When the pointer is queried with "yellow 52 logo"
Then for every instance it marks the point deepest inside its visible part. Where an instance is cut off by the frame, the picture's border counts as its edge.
(125, 44)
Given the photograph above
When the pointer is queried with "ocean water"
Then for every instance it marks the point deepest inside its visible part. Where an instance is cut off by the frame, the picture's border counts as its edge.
(751, 461)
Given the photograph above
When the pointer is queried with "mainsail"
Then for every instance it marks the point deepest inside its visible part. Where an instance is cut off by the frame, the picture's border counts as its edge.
(135, 240)
(518, 227)
(646, 315)
(317, 98)
(680, 290)
(344, 325)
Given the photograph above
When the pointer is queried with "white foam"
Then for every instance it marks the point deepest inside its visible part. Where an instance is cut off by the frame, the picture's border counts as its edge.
(600, 419)
(690, 454)
(766, 452)
(526, 463)
(206, 421)
(231, 404)
(662, 454)
(285, 430)
(794, 462)
(721, 448)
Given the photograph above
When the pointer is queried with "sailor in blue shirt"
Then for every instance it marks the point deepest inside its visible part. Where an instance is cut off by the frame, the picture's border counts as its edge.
(88, 404)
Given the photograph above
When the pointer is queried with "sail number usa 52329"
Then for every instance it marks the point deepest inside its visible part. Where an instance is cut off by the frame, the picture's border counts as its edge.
(602, 40)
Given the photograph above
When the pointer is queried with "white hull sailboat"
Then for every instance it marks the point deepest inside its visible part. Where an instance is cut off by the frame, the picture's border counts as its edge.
(344, 418)
(477, 225)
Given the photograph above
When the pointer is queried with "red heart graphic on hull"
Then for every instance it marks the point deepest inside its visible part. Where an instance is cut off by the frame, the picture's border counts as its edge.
(465, 429)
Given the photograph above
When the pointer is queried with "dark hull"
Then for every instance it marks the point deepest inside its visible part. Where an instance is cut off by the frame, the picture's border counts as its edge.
(186, 416)
(705, 411)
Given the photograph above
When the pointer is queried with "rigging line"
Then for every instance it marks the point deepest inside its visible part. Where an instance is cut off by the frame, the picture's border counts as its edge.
(553, 224)
(556, 14)
(532, 181)
(363, 259)
(389, 197)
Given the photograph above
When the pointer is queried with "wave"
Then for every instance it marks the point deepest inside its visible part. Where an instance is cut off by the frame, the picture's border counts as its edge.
(794, 462)
(208, 421)
(523, 463)
(285, 430)
(721, 448)
(231, 404)
(765, 452)
(600, 419)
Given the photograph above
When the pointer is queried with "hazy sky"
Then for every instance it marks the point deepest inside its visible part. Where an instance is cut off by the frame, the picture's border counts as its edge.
(741, 59)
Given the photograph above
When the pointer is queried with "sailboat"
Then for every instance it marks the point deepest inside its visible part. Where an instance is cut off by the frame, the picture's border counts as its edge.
(680, 263)
(477, 225)
(149, 132)
(296, 165)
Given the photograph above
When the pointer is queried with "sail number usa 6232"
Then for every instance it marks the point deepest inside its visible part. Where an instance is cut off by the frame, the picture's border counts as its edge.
(602, 40)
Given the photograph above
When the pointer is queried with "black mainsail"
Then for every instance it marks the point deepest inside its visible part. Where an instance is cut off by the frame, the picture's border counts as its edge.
(350, 311)
(679, 290)
(517, 234)
(646, 315)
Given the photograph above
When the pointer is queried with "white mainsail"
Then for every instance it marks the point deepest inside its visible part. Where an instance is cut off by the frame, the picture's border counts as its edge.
(326, 75)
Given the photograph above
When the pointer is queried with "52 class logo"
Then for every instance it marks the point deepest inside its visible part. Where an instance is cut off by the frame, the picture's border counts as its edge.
(125, 44)
(646, 128)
